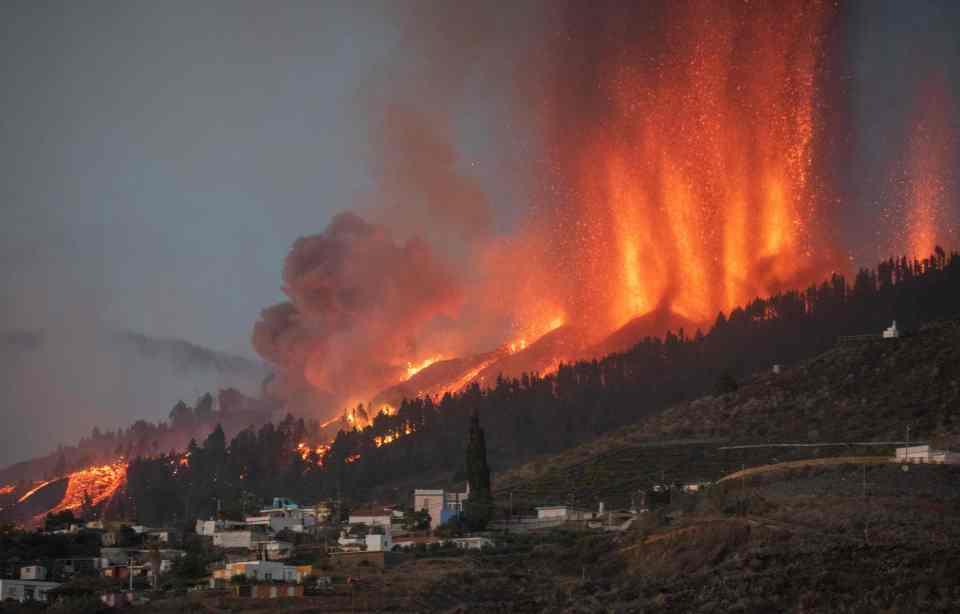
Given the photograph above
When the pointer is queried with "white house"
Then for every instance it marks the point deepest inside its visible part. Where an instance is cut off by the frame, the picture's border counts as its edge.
(472, 543)
(376, 542)
(261, 571)
(926, 454)
(33, 572)
(563, 512)
(285, 514)
(347, 542)
(440, 504)
(892, 332)
(372, 516)
(26, 590)
(238, 539)
(209, 527)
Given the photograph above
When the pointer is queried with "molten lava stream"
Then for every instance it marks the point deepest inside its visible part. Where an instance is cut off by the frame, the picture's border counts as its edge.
(93, 484)
(33, 490)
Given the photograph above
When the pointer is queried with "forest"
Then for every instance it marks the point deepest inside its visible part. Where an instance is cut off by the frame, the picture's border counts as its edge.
(533, 414)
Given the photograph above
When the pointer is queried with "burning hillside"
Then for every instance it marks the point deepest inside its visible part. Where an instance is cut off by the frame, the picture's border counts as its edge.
(679, 179)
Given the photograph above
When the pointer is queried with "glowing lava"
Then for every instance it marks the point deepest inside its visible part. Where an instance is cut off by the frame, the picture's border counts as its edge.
(930, 219)
(92, 485)
(413, 369)
(691, 153)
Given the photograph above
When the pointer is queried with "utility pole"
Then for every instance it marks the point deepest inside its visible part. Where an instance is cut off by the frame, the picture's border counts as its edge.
(743, 489)
(866, 509)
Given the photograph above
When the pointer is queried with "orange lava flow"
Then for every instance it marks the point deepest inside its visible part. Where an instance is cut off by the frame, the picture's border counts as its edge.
(7, 489)
(466, 378)
(413, 369)
(33, 490)
(93, 484)
(693, 182)
(929, 191)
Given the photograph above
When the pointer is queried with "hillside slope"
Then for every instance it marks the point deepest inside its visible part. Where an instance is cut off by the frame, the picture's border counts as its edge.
(853, 394)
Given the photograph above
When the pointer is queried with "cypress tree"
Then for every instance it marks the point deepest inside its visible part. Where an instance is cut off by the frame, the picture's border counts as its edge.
(479, 507)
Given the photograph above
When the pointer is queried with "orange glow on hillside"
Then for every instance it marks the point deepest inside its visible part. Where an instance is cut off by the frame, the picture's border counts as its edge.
(93, 484)
(8, 489)
(413, 369)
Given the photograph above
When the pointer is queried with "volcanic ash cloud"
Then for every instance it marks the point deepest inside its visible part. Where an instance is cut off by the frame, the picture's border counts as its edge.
(359, 302)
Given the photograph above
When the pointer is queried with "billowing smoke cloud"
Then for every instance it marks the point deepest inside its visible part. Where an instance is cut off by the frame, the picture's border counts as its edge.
(359, 304)
(417, 166)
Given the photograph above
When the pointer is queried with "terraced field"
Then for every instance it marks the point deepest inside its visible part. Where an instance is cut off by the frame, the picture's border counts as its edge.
(615, 474)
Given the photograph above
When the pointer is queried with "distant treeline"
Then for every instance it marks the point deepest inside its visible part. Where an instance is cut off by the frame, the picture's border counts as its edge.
(536, 414)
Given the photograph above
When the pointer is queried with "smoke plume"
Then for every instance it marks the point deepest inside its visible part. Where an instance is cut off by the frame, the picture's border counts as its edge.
(359, 305)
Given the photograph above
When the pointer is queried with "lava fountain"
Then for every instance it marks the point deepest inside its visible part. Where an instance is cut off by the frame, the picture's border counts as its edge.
(686, 136)
(930, 217)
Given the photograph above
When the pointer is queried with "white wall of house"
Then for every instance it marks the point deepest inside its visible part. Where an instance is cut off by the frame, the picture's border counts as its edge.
(233, 539)
(26, 590)
(380, 520)
(264, 571)
(562, 512)
(925, 454)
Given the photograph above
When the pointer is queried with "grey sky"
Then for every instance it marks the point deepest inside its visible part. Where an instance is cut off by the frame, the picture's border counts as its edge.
(162, 156)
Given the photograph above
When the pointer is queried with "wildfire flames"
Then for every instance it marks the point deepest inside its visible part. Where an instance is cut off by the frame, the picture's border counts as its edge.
(319, 452)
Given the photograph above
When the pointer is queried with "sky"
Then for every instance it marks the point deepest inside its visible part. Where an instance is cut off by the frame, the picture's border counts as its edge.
(160, 158)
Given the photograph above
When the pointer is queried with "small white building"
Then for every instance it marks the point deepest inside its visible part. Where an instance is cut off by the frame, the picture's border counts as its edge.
(25, 590)
(284, 514)
(563, 512)
(472, 543)
(261, 571)
(891, 332)
(348, 542)
(372, 516)
(33, 572)
(238, 539)
(208, 527)
(376, 542)
(926, 454)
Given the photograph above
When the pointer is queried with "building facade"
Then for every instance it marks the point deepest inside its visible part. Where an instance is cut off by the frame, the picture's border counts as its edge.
(926, 454)
(442, 505)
